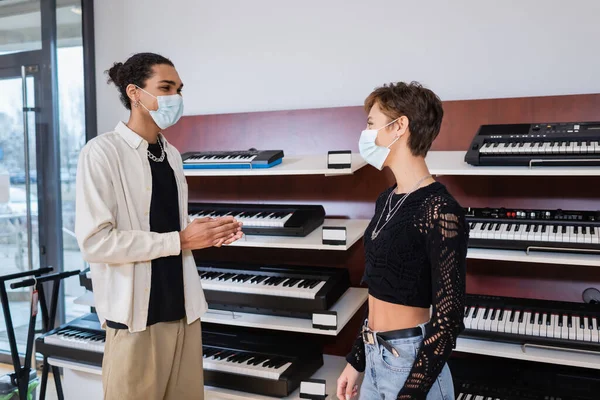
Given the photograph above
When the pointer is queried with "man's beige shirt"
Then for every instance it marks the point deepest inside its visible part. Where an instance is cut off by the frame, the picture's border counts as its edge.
(114, 190)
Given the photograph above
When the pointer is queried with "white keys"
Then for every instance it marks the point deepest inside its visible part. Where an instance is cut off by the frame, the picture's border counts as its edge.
(479, 321)
(596, 235)
(557, 328)
(468, 317)
(263, 219)
(211, 363)
(514, 325)
(487, 323)
(263, 287)
(524, 320)
(536, 325)
(76, 341)
(544, 326)
(219, 160)
(486, 148)
(587, 332)
(564, 330)
(501, 322)
(495, 322)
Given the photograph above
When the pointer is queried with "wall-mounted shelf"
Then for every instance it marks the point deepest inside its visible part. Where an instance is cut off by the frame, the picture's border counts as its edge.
(330, 371)
(86, 381)
(355, 229)
(588, 260)
(346, 307)
(290, 165)
(537, 354)
(453, 163)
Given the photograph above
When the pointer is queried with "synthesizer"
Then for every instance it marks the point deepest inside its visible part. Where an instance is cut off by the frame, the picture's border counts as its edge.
(245, 159)
(292, 291)
(564, 325)
(269, 363)
(539, 230)
(543, 144)
(492, 378)
(265, 219)
(80, 340)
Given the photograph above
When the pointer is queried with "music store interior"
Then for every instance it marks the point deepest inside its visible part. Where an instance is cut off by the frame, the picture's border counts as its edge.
(271, 126)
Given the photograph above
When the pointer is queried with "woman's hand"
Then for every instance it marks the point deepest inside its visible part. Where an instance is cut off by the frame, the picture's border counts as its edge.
(347, 386)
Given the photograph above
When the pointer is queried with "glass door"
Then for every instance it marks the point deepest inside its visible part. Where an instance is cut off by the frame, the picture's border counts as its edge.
(19, 229)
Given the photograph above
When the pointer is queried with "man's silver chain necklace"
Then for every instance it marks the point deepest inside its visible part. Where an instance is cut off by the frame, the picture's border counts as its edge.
(392, 210)
(162, 154)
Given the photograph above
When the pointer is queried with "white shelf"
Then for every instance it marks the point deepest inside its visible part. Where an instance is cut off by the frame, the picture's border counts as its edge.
(330, 371)
(346, 307)
(518, 352)
(453, 163)
(355, 229)
(90, 380)
(290, 165)
(588, 260)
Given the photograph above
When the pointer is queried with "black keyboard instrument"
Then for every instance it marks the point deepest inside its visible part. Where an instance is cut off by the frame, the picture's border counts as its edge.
(491, 378)
(560, 324)
(80, 340)
(539, 230)
(265, 219)
(244, 159)
(292, 291)
(543, 144)
(268, 363)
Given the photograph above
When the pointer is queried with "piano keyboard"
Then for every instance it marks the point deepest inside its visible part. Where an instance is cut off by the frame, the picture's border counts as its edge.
(265, 219)
(557, 230)
(232, 159)
(268, 363)
(534, 232)
(286, 290)
(244, 363)
(80, 340)
(77, 339)
(250, 219)
(565, 144)
(565, 324)
(550, 147)
(215, 159)
(261, 284)
(265, 362)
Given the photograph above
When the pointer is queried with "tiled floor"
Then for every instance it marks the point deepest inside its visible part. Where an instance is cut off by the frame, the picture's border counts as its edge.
(50, 391)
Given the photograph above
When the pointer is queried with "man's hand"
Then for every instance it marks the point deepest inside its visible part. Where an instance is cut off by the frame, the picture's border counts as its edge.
(232, 239)
(202, 233)
(346, 383)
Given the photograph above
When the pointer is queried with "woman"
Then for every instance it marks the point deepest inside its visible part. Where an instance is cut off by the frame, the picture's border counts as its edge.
(415, 249)
(133, 228)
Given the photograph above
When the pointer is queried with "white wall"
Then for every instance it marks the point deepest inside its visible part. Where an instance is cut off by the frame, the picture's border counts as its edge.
(255, 55)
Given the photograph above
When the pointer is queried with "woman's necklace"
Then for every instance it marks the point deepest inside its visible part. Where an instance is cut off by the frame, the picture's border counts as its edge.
(392, 210)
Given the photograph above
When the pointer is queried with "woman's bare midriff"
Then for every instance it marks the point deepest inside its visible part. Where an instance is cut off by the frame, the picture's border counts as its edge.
(384, 316)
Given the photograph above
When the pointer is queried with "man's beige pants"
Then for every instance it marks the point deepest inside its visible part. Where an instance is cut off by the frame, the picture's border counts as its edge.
(164, 362)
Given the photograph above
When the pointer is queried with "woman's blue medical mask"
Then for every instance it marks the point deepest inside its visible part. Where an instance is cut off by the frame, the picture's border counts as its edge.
(370, 151)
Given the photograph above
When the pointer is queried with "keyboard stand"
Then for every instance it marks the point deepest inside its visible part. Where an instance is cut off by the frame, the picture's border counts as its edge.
(20, 378)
